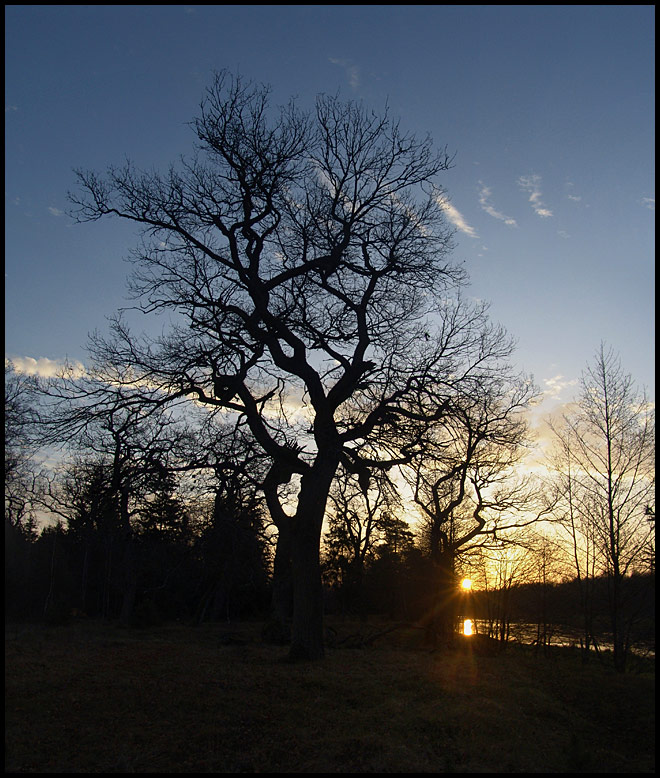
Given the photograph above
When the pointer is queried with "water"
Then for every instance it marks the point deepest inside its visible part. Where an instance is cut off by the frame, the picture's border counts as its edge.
(557, 636)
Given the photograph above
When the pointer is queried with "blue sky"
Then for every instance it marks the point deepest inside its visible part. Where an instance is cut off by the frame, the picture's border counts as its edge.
(548, 109)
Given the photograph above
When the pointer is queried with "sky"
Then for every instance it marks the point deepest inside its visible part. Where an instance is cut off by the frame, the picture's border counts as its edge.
(548, 111)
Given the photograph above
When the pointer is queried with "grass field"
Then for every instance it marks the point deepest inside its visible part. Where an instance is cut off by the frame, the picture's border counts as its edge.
(94, 698)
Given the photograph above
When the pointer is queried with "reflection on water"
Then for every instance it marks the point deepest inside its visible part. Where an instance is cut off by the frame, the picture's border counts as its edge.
(467, 627)
(555, 636)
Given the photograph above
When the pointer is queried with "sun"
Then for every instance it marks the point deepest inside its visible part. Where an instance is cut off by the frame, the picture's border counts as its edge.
(466, 584)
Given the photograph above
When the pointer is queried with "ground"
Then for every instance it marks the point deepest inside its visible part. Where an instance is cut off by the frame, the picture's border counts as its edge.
(96, 698)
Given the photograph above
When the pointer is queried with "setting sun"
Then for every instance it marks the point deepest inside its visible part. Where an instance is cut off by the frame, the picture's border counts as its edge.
(466, 584)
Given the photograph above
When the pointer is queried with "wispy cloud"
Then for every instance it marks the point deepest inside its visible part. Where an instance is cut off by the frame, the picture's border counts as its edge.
(649, 202)
(455, 216)
(44, 367)
(532, 185)
(570, 196)
(352, 71)
(484, 201)
(55, 211)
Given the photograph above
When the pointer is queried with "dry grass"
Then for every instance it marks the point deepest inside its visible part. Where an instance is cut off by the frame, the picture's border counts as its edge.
(93, 698)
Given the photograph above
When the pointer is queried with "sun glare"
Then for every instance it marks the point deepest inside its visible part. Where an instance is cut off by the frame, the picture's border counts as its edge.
(467, 627)
(466, 584)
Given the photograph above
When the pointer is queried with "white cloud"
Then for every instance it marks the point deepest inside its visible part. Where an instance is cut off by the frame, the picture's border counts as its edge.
(56, 211)
(555, 386)
(563, 234)
(352, 71)
(531, 184)
(44, 367)
(484, 195)
(649, 202)
(455, 216)
(555, 399)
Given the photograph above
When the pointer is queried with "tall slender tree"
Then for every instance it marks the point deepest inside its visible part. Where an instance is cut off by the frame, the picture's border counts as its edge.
(606, 478)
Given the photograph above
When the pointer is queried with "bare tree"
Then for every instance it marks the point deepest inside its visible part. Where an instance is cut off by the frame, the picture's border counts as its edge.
(20, 450)
(464, 479)
(357, 519)
(122, 446)
(579, 532)
(605, 476)
(500, 566)
(303, 259)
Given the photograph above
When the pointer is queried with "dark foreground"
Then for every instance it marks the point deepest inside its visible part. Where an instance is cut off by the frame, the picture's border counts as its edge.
(94, 698)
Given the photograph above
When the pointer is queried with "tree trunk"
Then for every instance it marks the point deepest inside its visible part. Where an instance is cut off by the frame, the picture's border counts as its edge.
(278, 628)
(130, 561)
(441, 619)
(616, 621)
(307, 627)
(130, 583)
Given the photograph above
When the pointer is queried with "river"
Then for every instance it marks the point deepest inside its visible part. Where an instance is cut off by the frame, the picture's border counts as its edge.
(559, 636)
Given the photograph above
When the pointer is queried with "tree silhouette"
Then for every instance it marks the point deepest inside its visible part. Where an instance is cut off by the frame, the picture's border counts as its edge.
(604, 464)
(124, 450)
(357, 521)
(20, 467)
(303, 258)
(464, 479)
(234, 539)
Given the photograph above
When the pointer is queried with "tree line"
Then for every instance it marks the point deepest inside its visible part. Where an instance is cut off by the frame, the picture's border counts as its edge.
(142, 530)
(317, 365)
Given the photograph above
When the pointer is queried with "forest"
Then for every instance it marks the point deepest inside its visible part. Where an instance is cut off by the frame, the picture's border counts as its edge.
(318, 419)
(130, 529)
